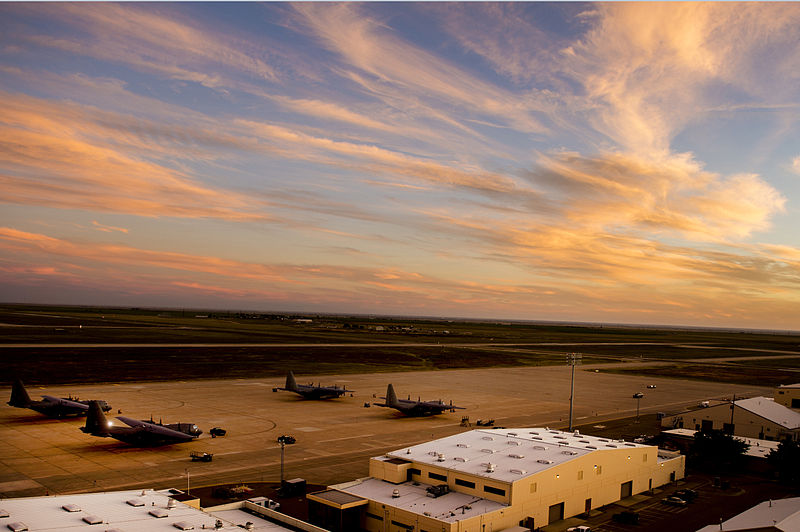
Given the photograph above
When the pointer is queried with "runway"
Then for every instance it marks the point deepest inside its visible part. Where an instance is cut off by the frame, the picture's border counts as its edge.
(335, 438)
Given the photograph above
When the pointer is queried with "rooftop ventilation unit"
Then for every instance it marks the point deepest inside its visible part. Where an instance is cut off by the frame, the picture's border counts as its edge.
(158, 513)
(17, 526)
(459, 459)
(571, 453)
(183, 525)
(540, 447)
(515, 443)
(517, 456)
(171, 503)
(518, 471)
(440, 457)
(490, 467)
(71, 508)
(135, 502)
(488, 438)
(437, 491)
(92, 519)
(395, 493)
(543, 461)
(463, 445)
(490, 451)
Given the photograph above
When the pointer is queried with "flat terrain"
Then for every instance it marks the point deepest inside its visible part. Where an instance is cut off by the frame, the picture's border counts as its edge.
(335, 438)
(66, 345)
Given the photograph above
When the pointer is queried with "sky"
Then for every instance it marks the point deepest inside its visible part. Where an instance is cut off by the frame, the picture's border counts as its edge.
(584, 162)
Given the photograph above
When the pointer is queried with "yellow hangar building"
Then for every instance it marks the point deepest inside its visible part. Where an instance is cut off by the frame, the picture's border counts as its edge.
(489, 480)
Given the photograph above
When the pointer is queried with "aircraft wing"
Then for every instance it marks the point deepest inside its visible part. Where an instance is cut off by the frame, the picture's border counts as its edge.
(159, 430)
(66, 403)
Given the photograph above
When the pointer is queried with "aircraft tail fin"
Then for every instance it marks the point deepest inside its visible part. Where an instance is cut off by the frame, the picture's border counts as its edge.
(291, 383)
(96, 422)
(391, 396)
(19, 395)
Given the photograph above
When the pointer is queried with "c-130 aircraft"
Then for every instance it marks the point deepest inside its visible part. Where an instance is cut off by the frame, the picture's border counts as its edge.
(49, 405)
(415, 408)
(137, 432)
(309, 391)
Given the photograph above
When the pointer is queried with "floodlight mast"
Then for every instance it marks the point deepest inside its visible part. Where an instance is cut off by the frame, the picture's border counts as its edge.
(572, 360)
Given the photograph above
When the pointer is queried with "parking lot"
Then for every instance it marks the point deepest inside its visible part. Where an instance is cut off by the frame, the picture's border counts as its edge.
(711, 505)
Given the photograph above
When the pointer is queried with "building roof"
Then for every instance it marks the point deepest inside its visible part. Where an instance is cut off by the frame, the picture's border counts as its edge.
(507, 455)
(124, 511)
(767, 408)
(781, 514)
(794, 386)
(756, 448)
(413, 497)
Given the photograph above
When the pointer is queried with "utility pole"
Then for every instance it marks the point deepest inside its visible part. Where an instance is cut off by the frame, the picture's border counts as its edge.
(572, 360)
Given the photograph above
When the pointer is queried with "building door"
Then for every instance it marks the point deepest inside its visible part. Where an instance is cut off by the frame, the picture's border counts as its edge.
(556, 513)
(706, 425)
(626, 489)
(587, 507)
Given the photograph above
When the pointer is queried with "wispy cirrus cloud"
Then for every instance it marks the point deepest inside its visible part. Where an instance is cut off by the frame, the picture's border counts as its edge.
(400, 69)
(155, 40)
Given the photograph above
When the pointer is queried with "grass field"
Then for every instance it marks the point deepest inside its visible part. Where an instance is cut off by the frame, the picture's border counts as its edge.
(51, 345)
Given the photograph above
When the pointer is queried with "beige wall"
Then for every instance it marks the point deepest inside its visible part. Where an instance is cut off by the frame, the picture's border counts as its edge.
(597, 476)
(745, 423)
(788, 397)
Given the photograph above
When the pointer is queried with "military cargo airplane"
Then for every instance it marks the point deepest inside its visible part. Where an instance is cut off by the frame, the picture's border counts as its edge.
(309, 391)
(49, 405)
(415, 408)
(138, 433)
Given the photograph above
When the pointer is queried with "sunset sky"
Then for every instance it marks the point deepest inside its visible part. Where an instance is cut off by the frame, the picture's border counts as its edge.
(619, 163)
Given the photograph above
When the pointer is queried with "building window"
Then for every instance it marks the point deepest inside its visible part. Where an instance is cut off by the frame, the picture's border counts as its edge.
(465, 483)
(533, 487)
(414, 471)
(437, 476)
(373, 516)
(795, 403)
(580, 474)
(644, 458)
(403, 525)
(496, 491)
(599, 469)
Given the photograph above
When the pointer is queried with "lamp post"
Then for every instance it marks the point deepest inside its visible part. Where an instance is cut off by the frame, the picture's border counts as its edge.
(284, 440)
(572, 360)
(638, 396)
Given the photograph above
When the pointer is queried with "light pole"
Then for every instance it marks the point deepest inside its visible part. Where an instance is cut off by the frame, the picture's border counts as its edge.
(572, 360)
(638, 396)
(284, 441)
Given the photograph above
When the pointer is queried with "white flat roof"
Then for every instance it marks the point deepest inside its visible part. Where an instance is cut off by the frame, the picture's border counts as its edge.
(783, 514)
(413, 497)
(47, 513)
(241, 518)
(758, 448)
(514, 453)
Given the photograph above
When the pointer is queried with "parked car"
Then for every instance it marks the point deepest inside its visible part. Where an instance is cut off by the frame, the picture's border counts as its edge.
(626, 517)
(651, 385)
(579, 528)
(218, 431)
(687, 495)
(674, 501)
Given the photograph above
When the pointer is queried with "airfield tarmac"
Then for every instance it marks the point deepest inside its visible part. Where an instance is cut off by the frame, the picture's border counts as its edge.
(335, 438)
